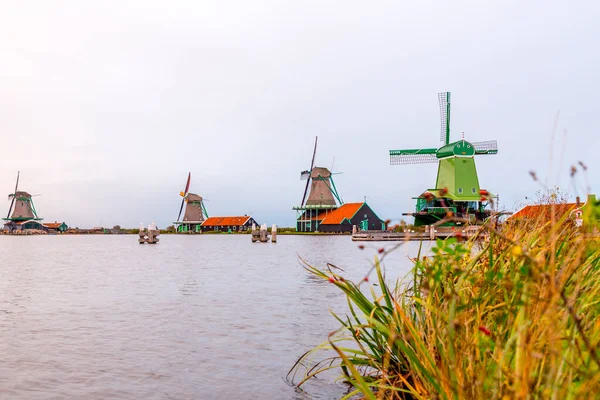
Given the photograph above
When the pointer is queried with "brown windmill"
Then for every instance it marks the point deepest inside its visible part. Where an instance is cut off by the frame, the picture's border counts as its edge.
(195, 211)
(322, 189)
(322, 199)
(21, 207)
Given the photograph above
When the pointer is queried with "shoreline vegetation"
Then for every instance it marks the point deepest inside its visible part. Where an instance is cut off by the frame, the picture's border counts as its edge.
(280, 232)
(117, 230)
(515, 316)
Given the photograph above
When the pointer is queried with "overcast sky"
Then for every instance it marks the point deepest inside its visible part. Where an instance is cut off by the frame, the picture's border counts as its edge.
(105, 106)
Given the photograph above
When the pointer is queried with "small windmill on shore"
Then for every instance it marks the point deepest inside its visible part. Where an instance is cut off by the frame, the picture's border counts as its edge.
(457, 191)
(21, 207)
(195, 211)
(322, 198)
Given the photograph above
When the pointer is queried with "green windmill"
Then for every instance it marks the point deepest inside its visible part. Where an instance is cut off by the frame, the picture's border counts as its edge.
(457, 191)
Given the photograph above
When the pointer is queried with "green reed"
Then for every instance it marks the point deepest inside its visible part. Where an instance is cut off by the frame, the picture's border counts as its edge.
(513, 316)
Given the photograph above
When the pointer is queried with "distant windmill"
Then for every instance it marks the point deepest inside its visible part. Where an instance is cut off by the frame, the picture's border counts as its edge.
(21, 206)
(457, 187)
(322, 189)
(322, 198)
(195, 211)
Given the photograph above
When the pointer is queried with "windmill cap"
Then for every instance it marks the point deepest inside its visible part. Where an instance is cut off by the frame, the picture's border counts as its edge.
(320, 171)
(462, 148)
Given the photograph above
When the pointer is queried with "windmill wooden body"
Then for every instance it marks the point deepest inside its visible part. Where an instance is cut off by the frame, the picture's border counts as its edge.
(21, 208)
(457, 192)
(195, 211)
(323, 197)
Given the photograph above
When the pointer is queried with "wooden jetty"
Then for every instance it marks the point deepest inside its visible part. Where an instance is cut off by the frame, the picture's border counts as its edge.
(431, 233)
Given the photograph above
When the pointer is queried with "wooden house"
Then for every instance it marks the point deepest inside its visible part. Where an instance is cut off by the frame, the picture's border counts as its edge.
(56, 226)
(343, 218)
(24, 226)
(228, 224)
(587, 214)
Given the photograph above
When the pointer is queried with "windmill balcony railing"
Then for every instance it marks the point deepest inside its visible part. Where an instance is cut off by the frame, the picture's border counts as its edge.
(438, 210)
(315, 207)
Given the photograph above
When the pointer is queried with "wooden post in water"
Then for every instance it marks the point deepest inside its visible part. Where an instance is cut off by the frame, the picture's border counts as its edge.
(274, 233)
(142, 234)
(261, 234)
(153, 233)
(254, 233)
(149, 235)
(264, 234)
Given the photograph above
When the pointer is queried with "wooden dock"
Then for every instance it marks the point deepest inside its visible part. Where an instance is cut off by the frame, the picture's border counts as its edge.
(433, 234)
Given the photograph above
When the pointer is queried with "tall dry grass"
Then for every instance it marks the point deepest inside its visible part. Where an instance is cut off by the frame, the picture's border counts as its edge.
(511, 317)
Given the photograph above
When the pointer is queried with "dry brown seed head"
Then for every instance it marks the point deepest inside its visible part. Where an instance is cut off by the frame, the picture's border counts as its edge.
(533, 175)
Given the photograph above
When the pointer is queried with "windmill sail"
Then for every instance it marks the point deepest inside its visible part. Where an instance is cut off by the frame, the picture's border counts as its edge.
(184, 194)
(403, 159)
(312, 165)
(187, 185)
(487, 147)
(444, 99)
(12, 203)
(180, 209)
(413, 156)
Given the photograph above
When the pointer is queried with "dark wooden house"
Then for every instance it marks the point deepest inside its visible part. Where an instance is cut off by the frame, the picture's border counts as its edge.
(342, 219)
(310, 217)
(24, 226)
(228, 224)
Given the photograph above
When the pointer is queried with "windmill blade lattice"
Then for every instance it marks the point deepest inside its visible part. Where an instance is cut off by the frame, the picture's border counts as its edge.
(312, 165)
(403, 159)
(487, 147)
(184, 194)
(444, 100)
(413, 156)
(14, 195)
(187, 185)
(180, 209)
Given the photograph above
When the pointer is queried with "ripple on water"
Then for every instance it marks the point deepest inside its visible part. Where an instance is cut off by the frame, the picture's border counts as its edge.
(194, 317)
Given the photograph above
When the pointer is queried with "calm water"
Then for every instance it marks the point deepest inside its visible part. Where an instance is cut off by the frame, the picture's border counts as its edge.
(194, 317)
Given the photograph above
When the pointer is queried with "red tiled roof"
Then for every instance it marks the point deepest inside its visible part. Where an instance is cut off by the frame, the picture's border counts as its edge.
(338, 216)
(53, 225)
(226, 221)
(544, 210)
